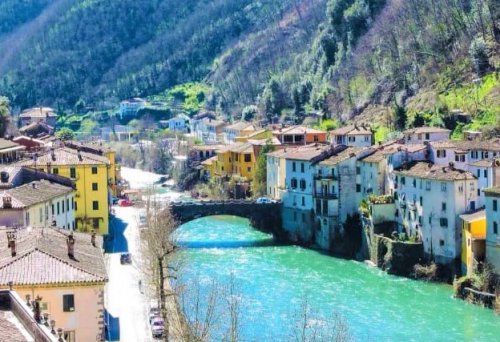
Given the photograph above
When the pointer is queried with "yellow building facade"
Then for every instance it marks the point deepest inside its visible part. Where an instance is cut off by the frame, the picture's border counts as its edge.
(473, 240)
(91, 174)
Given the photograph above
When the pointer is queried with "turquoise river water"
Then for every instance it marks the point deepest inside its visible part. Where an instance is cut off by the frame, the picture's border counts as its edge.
(273, 283)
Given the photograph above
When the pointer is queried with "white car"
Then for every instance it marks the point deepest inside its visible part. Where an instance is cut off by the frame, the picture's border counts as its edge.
(157, 327)
(263, 200)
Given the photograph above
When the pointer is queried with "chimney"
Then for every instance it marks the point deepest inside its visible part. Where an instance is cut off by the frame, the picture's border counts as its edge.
(11, 242)
(7, 202)
(92, 239)
(80, 158)
(4, 176)
(70, 241)
(452, 165)
(33, 185)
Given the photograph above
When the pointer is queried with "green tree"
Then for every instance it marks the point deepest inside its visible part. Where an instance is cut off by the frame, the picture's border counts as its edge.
(259, 184)
(4, 115)
(249, 112)
(65, 133)
(400, 117)
(479, 55)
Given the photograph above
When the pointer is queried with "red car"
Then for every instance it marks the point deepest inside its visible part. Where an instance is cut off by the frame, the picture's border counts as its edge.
(125, 203)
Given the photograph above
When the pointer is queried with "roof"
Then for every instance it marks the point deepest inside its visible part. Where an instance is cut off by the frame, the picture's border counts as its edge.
(38, 112)
(36, 128)
(430, 171)
(19, 175)
(213, 122)
(486, 163)
(241, 125)
(65, 156)
(385, 150)
(297, 130)
(94, 147)
(207, 147)
(237, 148)
(468, 145)
(494, 191)
(42, 258)
(352, 130)
(478, 215)
(209, 161)
(179, 117)
(35, 192)
(8, 144)
(345, 154)
(426, 129)
(260, 142)
(305, 152)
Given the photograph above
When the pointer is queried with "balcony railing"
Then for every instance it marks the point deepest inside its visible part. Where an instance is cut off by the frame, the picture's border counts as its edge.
(326, 177)
(325, 195)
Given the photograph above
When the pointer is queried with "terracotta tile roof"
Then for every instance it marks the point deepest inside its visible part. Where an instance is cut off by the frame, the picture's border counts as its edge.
(430, 171)
(241, 125)
(209, 161)
(8, 144)
(352, 130)
(19, 175)
(297, 130)
(478, 215)
(34, 192)
(94, 147)
(207, 147)
(65, 156)
(494, 191)
(38, 112)
(468, 145)
(385, 150)
(426, 129)
(42, 258)
(256, 133)
(237, 148)
(349, 152)
(486, 162)
(261, 142)
(306, 152)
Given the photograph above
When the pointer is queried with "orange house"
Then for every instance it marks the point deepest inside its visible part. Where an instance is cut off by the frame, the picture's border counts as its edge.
(300, 135)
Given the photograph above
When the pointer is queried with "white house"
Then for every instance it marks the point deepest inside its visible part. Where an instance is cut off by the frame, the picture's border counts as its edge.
(38, 114)
(179, 123)
(129, 108)
(487, 172)
(429, 200)
(493, 227)
(420, 134)
(353, 135)
(38, 203)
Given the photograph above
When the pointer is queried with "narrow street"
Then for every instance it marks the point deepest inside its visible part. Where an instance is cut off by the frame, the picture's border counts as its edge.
(125, 304)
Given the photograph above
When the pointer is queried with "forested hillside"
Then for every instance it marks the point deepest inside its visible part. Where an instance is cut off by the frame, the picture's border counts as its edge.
(342, 57)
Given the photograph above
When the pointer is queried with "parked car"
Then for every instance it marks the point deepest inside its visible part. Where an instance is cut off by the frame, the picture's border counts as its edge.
(263, 200)
(157, 327)
(125, 203)
(125, 258)
(154, 311)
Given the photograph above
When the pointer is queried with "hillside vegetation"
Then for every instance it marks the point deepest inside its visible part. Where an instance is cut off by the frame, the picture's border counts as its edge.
(346, 58)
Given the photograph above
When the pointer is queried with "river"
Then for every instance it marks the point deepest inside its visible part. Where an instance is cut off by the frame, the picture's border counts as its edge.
(273, 283)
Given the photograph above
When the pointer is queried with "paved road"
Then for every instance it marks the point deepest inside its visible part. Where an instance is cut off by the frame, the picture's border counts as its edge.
(126, 306)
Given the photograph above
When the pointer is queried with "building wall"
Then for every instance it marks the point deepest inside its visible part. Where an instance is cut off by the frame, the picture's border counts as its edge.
(492, 239)
(473, 243)
(84, 320)
(298, 197)
(85, 196)
(316, 137)
(41, 215)
(421, 137)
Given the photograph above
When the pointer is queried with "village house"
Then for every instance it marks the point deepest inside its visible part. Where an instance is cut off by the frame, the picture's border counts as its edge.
(38, 203)
(63, 273)
(238, 129)
(91, 174)
(40, 130)
(46, 115)
(335, 193)
(429, 199)
(299, 135)
(493, 227)
(419, 135)
(208, 130)
(129, 108)
(237, 159)
(10, 151)
(487, 172)
(181, 123)
(353, 135)
(119, 133)
(32, 144)
(473, 240)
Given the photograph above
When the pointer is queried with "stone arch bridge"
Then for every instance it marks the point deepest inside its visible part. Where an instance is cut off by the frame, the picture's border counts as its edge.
(263, 216)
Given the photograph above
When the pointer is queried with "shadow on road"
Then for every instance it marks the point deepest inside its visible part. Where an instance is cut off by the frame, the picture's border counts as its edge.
(112, 327)
(116, 242)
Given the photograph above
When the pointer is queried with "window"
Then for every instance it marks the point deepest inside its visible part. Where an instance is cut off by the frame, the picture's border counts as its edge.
(358, 170)
(428, 185)
(68, 303)
(41, 215)
(95, 205)
(302, 167)
(461, 188)
(52, 210)
(316, 139)
(94, 170)
(294, 167)
(95, 223)
(72, 172)
(443, 206)
(27, 218)
(427, 136)
(67, 204)
(495, 205)
(69, 336)
(478, 173)
(414, 182)
(293, 183)
(479, 192)
(485, 173)
(94, 186)
(420, 219)
(302, 184)
(495, 228)
(421, 201)
(58, 209)
(248, 157)
(403, 180)
(443, 187)
(76, 205)
(443, 222)
(460, 157)
(441, 153)
(303, 201)
(441, 242)
(358, 187)
(55, 171)
(62, 205)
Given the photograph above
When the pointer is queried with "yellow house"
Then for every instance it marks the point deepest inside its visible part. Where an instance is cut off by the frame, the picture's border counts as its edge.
(65, 273)
(473, 240)
(209, 167)
(90, 172)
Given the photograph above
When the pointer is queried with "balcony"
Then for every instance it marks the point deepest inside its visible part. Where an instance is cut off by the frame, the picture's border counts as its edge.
(326, 177)
(325, 195)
